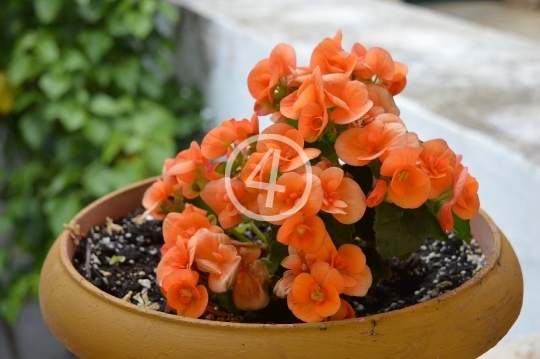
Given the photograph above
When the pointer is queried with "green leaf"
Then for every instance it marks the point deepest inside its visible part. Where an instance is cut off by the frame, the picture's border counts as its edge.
(140, 25)
(20, 69)
(278, 252)
(47, 50)
(96, 44)
(4, 259)
(112, 147)
(97, 130)
(73, 60)
(150, 85)
(72, 116)
(54, 84)
(339, 232)
(170, 12)
(34, 129)
(227, 302)
(98, 179)
(462, 228)
(47, 10)
(61, 209)
(62, 180)
(117, 259)
(398, 231)
(376, 264)
(435, 230)
(127, 74)
(104, 105)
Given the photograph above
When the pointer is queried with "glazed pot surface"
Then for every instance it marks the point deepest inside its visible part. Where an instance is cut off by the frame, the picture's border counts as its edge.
(463, 323)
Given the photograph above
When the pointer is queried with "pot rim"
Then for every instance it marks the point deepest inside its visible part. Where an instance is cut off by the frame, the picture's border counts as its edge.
(64, 237)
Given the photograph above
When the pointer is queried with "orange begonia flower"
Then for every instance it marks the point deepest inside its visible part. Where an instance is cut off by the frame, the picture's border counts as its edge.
(295, 262)
(295, 186)
(243, 128)
(380, 61)
(343, 197)
(215, 195)
(410, 186)
(322, 255)
(350, 261)
(377, 194)
(215, 254)
(315, 296)
(217, 142)
(358, 146)
(183, 294)
(311, 90)
(250, 291)
(265, 77)
(399, 81)
(350, 98)
(438, 161)
(344, 312)
(187, 168)
(185, 225)
(302, 233)
(467, 204)
(383, 102)
(289, 159)
(155, 198)
(445, 218)
(331, 59)
(177, 257)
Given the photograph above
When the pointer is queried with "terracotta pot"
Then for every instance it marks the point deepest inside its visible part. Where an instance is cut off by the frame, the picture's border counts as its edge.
(460, 324)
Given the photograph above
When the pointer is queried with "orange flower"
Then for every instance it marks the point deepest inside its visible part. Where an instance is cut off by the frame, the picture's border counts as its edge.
(446, 220)
(184, 225)
(183, 294)
(217, 142)
(244, 128)
(250, 290)
(310, 91)
(215, 254)
(315, 296)
(156, 198)
(215, 195)
(343, 197)
(438, 161)
(331, 58)
(265, 77)
(350, 262)
(410, 186)
(350, 98)
(383, 102)
(302, 233)
(295, 186)
(377, 194)
(380, 61)
(289, 159)
(188, 170)
(399, 81)
(467, 204)
(177, 257)
(344, 312)
(358, 146)
(295, 262)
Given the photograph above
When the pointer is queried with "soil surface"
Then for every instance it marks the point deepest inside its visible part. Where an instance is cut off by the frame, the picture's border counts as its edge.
(120, 258)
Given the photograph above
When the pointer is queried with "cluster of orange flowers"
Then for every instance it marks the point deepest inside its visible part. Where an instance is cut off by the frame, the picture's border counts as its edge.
(338, 110)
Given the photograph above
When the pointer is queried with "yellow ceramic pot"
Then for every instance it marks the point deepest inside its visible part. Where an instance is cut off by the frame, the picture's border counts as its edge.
(461, 324)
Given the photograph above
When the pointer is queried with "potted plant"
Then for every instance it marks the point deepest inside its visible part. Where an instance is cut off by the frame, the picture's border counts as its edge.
(306, 213)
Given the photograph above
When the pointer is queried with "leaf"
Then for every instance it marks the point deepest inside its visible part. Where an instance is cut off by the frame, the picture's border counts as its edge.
(72, 116)
(47, 50)
(227, 302)
(150, 85)
(97, 130)
(62, 180)
(96, 44)
(435, 230)
(462, 228)
(278, 252)
(339, 232)
(73, 60)
(54, 84)
(376, 264)
(20, 69)
(112, 147)
(117, 259)
(140, 25)
(34, 130)
(399, 231)
(47, 10)
(127, 74)
(169, 11)
(61, 209)
(104, 105)
(98, 179)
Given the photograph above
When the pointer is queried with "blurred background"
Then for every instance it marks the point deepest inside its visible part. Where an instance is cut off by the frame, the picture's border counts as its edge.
(94, 94)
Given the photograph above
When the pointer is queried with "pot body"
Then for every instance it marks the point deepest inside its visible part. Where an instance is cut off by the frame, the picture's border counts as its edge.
(460, 324)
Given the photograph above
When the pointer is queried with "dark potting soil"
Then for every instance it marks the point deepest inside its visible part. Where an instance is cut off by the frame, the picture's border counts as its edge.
(120, 258)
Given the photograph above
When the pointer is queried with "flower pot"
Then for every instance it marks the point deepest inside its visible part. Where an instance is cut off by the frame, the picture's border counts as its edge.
(461, 324)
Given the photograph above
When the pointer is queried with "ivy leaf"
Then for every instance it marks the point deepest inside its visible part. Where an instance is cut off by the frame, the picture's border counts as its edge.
(47, 10)
(54, 84)
(398, 231)
(96, 44)
(462, 228)
(339, 232)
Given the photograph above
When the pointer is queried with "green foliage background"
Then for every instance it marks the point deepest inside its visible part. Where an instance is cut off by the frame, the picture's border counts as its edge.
(88, 104)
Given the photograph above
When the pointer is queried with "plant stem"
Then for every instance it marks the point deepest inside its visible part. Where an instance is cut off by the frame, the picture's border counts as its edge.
(239, 235)
(258, 233)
